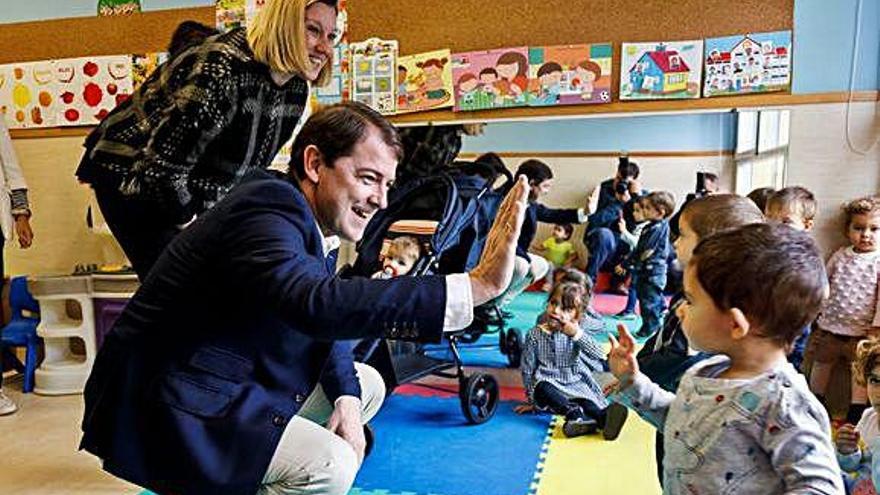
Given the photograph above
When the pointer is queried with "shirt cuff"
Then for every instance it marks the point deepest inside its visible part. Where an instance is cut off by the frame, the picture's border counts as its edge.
(582, 215)
(336, 402)
(459, 311)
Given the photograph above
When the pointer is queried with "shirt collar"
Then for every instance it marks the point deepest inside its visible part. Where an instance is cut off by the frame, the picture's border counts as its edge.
(329, 244)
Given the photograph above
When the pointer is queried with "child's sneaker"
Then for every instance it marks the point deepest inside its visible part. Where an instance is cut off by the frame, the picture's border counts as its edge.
(6, 405)
(579, 426)
(615, 417)
(625, 315)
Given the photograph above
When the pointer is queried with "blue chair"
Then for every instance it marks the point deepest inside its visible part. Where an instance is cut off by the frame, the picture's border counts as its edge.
(21, 331)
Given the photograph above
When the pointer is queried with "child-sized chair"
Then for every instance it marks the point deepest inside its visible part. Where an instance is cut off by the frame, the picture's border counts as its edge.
(22, 330)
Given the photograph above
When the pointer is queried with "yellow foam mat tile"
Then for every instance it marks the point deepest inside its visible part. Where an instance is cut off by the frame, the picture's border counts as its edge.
(589, 464)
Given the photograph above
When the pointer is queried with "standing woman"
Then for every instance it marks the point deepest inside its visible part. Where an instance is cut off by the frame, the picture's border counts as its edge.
(203, 119)
(15, 214)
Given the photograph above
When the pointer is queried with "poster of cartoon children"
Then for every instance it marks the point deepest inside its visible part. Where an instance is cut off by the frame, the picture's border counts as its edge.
(374, 66)
(661, 70)
(570, 74)
(754, 63)
(424, 81)
(491, 79)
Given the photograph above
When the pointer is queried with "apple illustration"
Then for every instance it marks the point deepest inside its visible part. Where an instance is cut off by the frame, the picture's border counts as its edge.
(90, 69)
(67, 97)
(122, 97)
(119, 70)
(71, 114)
(103, 113)
(65, 73)
(111, 88)
(92, 94)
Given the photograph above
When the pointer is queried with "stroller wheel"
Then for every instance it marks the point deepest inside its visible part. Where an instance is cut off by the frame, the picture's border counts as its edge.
(479, 397)
(513, 345)
(502, 340)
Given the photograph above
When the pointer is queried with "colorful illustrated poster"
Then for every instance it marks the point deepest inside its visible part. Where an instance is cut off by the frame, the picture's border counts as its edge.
(491, 79)
(661, 70)
(89, 87)
(374, 63)
(118, 7)
(339, 87)
(143, 64)
(230, 14)
(424, 81)
(570, 74)
(28, 95)
(754, 63)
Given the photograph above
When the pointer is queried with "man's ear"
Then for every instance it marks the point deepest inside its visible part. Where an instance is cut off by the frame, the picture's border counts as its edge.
(312, 161)
(741, 325)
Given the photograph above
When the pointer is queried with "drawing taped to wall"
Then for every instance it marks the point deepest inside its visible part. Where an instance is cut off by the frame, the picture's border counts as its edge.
(661, 70)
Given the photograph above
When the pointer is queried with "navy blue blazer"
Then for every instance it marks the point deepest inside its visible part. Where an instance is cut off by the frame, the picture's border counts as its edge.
(540, 213)
(230, 332)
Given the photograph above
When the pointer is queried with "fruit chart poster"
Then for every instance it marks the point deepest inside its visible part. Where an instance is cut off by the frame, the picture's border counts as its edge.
(89, 88)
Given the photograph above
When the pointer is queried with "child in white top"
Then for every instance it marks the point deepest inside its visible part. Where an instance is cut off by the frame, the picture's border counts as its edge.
(857, 446)
(853, 310)
(402, 254)
(743, 421)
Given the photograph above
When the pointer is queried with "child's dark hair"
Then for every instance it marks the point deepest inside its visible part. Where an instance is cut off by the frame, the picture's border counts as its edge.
(535, 170)
(867, 358)
(574, 276)
(627, 169)
(549, 68)
(719, 212)
(760, 196)
(771, 272)
(795, 199)
(571, 296)
(661, 201)
(862, 206)
(189, 33)
(568, 228)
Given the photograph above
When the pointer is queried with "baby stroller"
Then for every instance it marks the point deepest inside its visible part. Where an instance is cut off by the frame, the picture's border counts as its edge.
(450, 213)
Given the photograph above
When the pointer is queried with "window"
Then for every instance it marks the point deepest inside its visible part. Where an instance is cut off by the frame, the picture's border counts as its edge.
(761, 149)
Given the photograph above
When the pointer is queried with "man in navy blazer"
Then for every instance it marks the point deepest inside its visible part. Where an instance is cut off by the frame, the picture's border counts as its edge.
(225, 374)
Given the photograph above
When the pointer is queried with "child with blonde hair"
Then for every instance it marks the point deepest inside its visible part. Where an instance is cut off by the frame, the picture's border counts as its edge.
(858, 447)
(402, 254)
(853, 309)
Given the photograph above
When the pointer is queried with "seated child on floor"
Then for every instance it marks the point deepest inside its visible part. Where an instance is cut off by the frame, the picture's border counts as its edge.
(796, 207)
(853, 308)
(591, 321)
(399, 259)
(558, 363)
(858, 447)
(558, 250)
(742, 421)
(648, 261)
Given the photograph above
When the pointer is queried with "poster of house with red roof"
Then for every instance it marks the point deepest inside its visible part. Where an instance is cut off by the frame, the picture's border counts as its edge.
(753, 63)
(667, 70)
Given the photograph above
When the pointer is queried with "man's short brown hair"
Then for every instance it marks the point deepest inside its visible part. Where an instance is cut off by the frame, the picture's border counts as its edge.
(719, 212)
(796, 199)
(772, 273)
(863, 206)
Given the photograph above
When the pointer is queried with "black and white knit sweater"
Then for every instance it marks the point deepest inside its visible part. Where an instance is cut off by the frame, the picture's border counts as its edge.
(194, 128)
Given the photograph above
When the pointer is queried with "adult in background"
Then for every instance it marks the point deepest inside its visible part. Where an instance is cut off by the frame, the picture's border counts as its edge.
(614, 199)
(224, 374)
(215, 110)
(15, 215)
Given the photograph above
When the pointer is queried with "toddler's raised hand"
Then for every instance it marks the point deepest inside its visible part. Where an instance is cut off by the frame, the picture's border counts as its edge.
(847, 439)
(622, 356)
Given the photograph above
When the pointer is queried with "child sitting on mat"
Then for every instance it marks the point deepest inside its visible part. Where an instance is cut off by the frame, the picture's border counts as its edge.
(742, 421)
(402, 254)
(558, 363)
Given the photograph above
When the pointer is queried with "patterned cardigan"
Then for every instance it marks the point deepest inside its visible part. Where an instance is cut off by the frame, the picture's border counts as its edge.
(194, 128)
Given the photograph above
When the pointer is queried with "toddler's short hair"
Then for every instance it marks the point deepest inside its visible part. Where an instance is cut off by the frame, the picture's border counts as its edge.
(568, 228)
(571, 296)
(760, 196)
(663, 201)
(863, 206)
(771, 272)
(867, 357)
(719, 212)
(796, 199)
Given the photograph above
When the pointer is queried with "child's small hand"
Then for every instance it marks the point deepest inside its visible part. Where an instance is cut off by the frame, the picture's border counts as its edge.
(847, 439)
(524, 408)
(621, 224)
(620, 270)
(622, 356)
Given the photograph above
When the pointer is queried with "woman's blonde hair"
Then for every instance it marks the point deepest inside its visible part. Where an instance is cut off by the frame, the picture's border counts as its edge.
(277, 37)
(867, 357)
